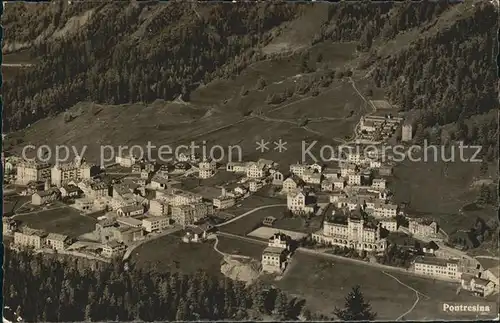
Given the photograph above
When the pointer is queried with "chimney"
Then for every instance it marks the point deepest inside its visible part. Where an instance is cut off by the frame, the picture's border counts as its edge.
(223, 193)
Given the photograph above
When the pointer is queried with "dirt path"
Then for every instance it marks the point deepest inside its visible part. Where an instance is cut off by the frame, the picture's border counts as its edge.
(224, 255)
(141, 242)
(248, 213)
(417, 294)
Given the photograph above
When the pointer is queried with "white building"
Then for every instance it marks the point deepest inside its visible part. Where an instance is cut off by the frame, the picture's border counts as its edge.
(280, 240)
(42, 197)
(274, 260)
(32, 171)
(327, 185)
(423, 227)
(379, 184)
(159, 182)
(437, 267)
(480, 286)
(113, 249)
(276, 255)
(300, 202)
(355, 157)
(188, 214)
(30, 238)
(298, 169)
(237, 167)
(311, 177)
(179, 197)
(352, 233)
(93, 189)
(354, 179)
(278, 178)
(348, 169)
(254, 185)
(125, 161)
(256, 170)
(206, 169)
(158, 207)
(389, 224)
(375, 163)
(62, 174)
(367, 125)
(388, 210)
(406, 133)
(223, 202)
(291, 184)
(56, 241)
(155, 223)
(336, 196)
(331, 173)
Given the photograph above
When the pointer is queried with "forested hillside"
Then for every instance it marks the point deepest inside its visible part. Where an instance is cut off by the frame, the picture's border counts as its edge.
(432, 59)
(135, 52)
(48, 289)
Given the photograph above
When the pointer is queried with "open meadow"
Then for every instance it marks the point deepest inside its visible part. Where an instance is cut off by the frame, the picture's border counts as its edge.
(439, 190)
(324, 283)
(63, 220)
(170, 254)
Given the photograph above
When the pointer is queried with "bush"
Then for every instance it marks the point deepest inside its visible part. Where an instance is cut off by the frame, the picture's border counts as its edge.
(95, 109)
(67, 117)
(261, 84)
(275, 98)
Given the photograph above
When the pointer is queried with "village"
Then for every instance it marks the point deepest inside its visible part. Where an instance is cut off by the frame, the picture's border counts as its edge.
(347, 209)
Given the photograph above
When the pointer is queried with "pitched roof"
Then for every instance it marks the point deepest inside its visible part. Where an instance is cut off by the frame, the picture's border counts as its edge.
(273, 250)
(113, 244)
(495, 271)
(435, 261)
(57, 236)
(131, 208)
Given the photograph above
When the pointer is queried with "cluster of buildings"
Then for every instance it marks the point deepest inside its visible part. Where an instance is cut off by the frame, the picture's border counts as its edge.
(346, 228)
(480, 281)
(37, 239)
(362, 214)
(377, 128)
(28, 171)
(277, 254)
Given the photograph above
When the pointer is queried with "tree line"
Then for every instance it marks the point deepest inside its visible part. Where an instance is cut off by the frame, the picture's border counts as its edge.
(125, 59)
(63, 289)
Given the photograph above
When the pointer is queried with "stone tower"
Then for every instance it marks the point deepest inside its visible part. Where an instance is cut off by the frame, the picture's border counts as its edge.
(406, 133)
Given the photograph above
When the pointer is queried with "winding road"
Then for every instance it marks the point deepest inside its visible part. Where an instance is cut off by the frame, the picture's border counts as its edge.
(248, 213)
(139, 243)
(417, 294)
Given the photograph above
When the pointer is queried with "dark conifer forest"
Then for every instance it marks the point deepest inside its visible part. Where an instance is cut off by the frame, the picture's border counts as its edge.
(54, 289)
(128, 52)
(446, 75)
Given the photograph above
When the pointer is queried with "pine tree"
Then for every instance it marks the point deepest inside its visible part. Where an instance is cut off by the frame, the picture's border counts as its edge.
(282, 306)
(483, 170)
(258, 300)
(355, 308)
(181, 311)
(88, 313)
(484, 195)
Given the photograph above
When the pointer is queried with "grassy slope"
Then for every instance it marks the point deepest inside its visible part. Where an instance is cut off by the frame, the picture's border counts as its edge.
(216, 111)
(173, 123)
(64, 221)
(324, 284)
